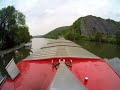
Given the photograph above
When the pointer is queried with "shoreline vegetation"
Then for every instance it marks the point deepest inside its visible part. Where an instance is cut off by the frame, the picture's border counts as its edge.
(3, 52)
(76, 31)
(95, 37)
(13, 29)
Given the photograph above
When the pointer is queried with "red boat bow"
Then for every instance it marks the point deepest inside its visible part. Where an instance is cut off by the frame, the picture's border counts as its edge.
(93, 73)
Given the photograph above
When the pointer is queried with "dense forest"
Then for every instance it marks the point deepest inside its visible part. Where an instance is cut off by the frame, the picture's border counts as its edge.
(89, 28)
(13, 28)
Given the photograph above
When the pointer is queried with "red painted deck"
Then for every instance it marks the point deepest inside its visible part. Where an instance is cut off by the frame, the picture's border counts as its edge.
(38, 74)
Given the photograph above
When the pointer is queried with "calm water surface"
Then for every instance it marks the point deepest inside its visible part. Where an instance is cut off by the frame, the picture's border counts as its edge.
(102, 50)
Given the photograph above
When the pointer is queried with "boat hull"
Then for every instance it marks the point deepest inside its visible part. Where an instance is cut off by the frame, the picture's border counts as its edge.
(38, 74)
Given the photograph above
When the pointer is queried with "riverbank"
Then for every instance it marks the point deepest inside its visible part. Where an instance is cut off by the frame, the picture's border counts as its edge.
(3, 52)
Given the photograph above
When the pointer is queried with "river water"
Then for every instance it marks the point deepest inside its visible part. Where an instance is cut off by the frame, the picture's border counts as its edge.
(103, 50)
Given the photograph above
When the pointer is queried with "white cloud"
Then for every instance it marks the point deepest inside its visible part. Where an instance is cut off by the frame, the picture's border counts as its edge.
(25, 5)
(45, 15)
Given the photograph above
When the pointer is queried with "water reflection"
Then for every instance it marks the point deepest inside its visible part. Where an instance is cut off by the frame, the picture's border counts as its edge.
(17, 55)
(103, 50)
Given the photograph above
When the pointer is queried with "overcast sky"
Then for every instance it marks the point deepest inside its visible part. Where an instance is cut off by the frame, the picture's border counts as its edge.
(43, 16)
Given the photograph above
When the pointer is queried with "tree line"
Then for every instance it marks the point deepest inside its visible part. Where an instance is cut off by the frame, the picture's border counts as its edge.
(73, 33)
(13, 28)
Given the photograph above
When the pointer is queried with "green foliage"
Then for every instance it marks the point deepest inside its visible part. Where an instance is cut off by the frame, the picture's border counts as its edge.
(98, 36)
(73, 32)
(118, 36)
(61, 31)
(69, 32)
(76, 25)
(13, 29)
(118, 25)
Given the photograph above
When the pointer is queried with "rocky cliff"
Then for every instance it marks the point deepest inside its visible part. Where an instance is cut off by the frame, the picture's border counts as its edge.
(87, 25)
(91, 24)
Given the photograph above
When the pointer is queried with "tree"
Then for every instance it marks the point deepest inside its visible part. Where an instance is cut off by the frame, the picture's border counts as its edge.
(12, 24)
(98, 36)
(118, 36)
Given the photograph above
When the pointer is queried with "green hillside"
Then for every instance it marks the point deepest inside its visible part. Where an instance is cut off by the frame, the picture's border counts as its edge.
(89, 28)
